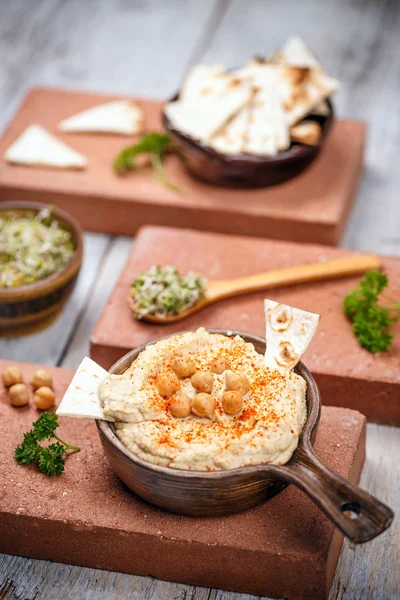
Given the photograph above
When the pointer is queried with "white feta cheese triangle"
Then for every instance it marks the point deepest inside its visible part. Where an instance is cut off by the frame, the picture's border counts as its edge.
(122, 117)
(37, 147)
(81, 398)
(289, 331)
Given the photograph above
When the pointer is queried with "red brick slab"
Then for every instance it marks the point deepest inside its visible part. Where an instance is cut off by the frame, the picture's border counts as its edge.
(313, 207)
(87, 517)
(347, 374)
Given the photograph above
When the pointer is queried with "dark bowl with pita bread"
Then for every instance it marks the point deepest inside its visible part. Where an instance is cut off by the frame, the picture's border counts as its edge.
(247, 170)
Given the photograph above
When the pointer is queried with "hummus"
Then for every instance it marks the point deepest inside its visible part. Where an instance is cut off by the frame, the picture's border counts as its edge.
(266, 430)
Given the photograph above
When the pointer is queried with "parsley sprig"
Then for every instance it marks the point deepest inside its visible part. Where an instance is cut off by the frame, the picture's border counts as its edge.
(157, 146)
(49, 459)
(372, 321)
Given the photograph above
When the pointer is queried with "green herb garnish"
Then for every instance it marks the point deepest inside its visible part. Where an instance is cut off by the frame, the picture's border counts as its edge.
(372, 321)
(32, 247)
(157, 146)
(163, 291)
(49, 459)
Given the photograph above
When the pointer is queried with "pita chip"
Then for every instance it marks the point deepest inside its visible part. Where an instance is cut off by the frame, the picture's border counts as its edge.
(301, 89)
(296, 53)
(306, 132)
(201, 119)
(204, 81)
(123, 117)
(38, 147)
(321, 110)
(317, 84)
(268, 131)
(231, 139)
(260, 74)
(81, 399)
(289, 331)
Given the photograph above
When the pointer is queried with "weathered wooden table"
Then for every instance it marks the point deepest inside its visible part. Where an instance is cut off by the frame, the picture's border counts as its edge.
(144, 47)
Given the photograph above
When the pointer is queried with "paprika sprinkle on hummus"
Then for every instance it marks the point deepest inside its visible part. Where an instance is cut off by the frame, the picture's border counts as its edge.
(204, 401)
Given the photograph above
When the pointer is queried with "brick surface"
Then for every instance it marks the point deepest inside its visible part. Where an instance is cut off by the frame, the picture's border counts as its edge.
(313, 207)
(347, 375)
(87, 517)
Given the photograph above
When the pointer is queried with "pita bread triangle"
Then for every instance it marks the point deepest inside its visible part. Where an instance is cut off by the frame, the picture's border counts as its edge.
(296, 53)
(289, 332)
(231, 139)
(204, 81)
(306, 132)
(122, 117)
(321, 109)
(201, 119)
(310, 92)
(37, 147)
(81, 398)
(268, 132)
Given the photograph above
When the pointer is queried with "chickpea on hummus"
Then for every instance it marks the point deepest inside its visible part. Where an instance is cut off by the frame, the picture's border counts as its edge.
(205, 402)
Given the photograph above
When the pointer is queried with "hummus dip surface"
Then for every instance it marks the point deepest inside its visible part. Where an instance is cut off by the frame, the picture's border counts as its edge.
(266, 430)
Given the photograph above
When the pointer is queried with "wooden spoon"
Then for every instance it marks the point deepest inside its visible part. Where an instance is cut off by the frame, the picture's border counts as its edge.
(226, 288)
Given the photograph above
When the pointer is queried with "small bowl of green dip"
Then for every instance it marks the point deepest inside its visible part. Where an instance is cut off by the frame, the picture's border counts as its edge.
(41, 251)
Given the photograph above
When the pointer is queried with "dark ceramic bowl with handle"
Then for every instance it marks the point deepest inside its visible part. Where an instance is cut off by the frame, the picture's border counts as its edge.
(246, 170)
(360, 516)
(25, 304)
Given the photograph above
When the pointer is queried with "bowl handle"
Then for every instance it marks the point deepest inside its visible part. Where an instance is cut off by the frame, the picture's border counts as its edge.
(360, 516)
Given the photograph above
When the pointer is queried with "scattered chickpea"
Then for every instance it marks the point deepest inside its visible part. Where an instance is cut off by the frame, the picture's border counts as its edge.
(203, 405)
(237, 382)
(232, 402)
(44, 398)
(183, 366)
(11, 376)
(41, 378)
(180, 406)
(19, 395)
(203, 381)
(219, 365)
(168, 384)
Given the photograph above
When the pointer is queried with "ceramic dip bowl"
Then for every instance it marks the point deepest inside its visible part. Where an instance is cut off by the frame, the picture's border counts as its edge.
(360, 516)
(35, 301)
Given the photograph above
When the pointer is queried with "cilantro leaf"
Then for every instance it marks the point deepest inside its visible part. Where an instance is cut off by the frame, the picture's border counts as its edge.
(156, 145)
(152, 143)
(371, 321)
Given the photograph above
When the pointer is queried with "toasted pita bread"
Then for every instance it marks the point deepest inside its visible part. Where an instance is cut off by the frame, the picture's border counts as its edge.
(296, 53)
(37, 147)
(306, 132)
(302, 89)
(322, 109)
(231, 139)
(261, 75)
(81, 398)
(204, 81)
(201, 119)
(122, 117)
(289, 331)
(268, 131)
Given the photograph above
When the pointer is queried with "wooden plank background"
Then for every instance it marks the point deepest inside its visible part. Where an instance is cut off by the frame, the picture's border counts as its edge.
(144, 47)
